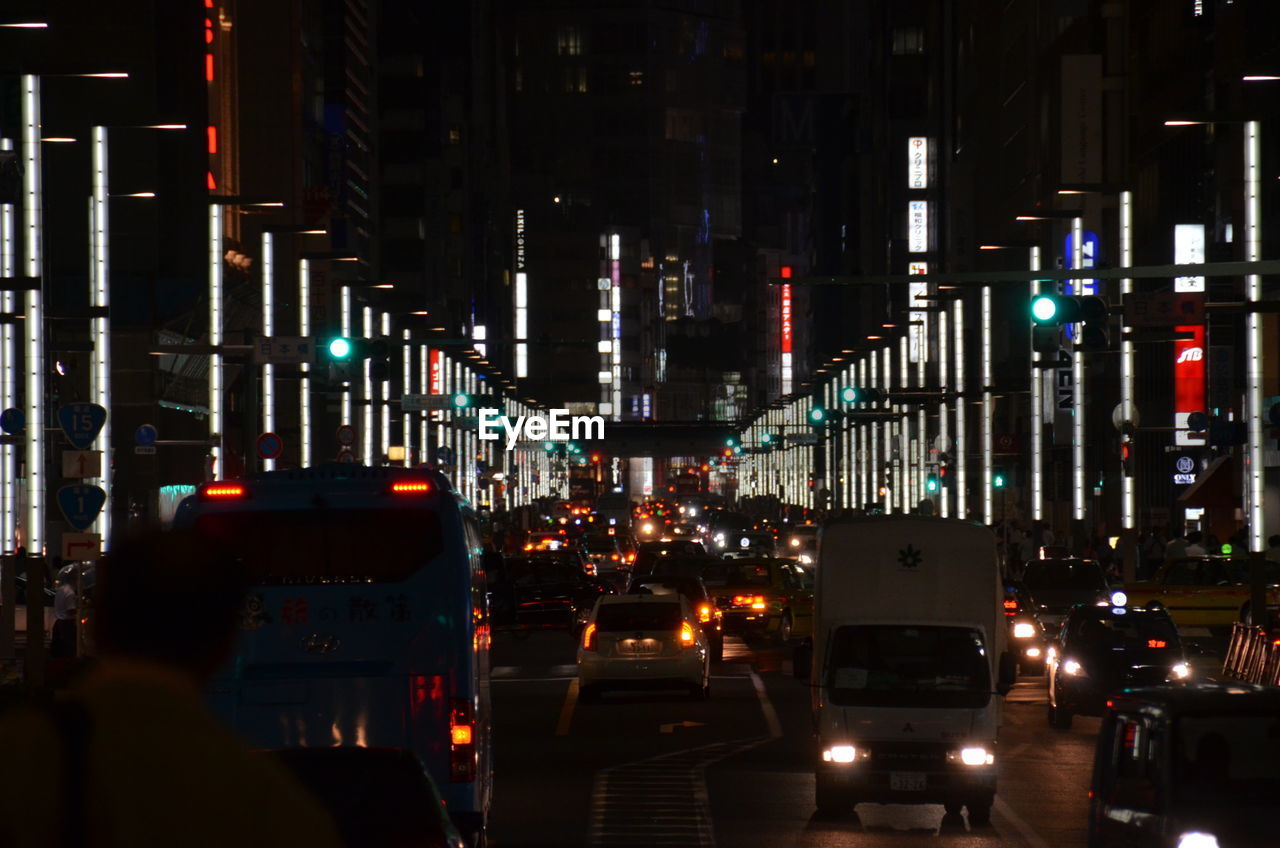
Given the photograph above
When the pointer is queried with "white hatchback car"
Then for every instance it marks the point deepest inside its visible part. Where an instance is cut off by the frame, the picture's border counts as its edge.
(643, 641)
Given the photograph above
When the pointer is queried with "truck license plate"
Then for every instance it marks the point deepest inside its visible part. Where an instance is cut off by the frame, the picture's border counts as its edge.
(906, 781)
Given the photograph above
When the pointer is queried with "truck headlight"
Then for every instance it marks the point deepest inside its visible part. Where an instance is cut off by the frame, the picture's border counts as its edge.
(1196, 839)
(1034, 653)
(1023, 630)
(1181, 671)
(1072, 667)
(845, 753)
(975, 756)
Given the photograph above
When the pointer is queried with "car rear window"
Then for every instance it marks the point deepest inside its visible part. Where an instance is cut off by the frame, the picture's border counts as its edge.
(327, 545)
(613, 618)
(1079, 574)
(734, 576)
(1134, 629)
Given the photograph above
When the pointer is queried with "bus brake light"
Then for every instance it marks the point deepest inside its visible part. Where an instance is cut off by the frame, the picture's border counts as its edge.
(460, 734)
(223, 490)
(410, 487)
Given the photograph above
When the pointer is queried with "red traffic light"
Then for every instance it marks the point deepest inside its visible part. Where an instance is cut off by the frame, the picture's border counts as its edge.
(595, 458)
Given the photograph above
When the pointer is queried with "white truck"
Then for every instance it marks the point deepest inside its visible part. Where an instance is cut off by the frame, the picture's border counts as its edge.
(908, 660)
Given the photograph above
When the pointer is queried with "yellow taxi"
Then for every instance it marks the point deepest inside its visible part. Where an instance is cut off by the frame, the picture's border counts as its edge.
(762, 596)
(1204, 591)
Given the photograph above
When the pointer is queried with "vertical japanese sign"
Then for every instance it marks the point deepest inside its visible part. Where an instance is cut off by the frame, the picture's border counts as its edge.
(785, 341)
(436, 378)
(917, 226)
(918, 328)
(1188, 249)
(917, 162)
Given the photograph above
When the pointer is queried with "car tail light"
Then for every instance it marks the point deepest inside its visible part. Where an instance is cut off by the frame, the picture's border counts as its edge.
(686, 634)
(1010, 607)
(590, 568)
(410, 487)
(614, 557)
(631, 557)
(589, 637)
(221, 491)
(528, 547)
(462, 753)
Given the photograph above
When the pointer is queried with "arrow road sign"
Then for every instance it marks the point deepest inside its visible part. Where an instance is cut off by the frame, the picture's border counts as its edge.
(81, 504)
(82, 422)
(12, 420)
(80, 464)
(145, 435)
(78, 547)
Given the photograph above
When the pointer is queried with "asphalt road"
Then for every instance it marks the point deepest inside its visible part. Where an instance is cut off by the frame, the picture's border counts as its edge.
(658, 769)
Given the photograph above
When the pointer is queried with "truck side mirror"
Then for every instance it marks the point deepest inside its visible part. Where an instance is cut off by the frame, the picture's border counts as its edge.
(1008, 673)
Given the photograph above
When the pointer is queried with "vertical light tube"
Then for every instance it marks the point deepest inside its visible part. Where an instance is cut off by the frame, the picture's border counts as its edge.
(891, 496)
(215, 338)
(33, 314)
(268, 329)
(99, 328)
(988, 410)
(366, 395)
(384, 395)
(406, 388)
(1077, 383)
(962, 460)
(8, 377)
(345, 309)
(521, 299)
(944, 415)
(1254, 350)
(424, 427)
(1037, 409)
(304, 375)
(1128, 495)
(910, 497)
(864, 450)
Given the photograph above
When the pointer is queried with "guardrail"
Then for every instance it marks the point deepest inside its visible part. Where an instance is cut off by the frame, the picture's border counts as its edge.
(1253, 656)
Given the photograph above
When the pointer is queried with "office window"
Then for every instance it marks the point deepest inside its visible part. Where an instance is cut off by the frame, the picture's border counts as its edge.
(908, 40)
(568, 41)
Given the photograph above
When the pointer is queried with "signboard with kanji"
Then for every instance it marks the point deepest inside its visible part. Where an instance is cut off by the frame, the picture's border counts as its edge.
(1163, 309)
(283, 350)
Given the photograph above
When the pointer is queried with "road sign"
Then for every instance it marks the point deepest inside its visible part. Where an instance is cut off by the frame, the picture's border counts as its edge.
(144, 450)
(77, 463)
(12, 420)
(418, 403)
(78, 547)
(803, 439)
(82, 422)
(1005, 443)
(145, 435)
(269, 446)
(283, 350)
(346, 455)
(1163, 309)
(346, 435)
(81, 504)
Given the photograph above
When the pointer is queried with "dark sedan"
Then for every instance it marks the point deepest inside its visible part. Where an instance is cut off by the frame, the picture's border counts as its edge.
(1053, 586)
(1103, 650)
(533, 593)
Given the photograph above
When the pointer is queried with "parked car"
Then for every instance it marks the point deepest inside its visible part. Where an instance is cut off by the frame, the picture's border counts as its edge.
(1187, 766)
(1206, 591)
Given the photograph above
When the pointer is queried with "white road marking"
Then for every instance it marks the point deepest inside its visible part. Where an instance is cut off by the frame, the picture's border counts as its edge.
(1019, 824)
(566, 712)
(766, 707)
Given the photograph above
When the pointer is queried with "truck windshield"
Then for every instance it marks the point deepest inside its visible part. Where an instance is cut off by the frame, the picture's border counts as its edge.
(1083, 575)
(1227, 760)
(906, 666)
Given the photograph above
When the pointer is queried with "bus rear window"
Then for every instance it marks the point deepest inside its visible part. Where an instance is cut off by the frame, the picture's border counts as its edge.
(326, 545)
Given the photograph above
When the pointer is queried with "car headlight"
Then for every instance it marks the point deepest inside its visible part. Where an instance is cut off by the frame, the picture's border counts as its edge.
(795, 543)
(648, 528)
(805, 559)
(975, 756)
(1119, 599)
(1181, 671)
(1033, 652)
(1196, 839)
(1023, 630)
(1072, 667)
(845, 754)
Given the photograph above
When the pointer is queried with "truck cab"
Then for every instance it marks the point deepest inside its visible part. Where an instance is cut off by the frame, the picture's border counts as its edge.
(909, 660)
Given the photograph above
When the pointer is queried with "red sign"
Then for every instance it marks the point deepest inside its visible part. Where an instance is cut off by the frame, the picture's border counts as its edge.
(1188, 374)
(786, 318)
(1005, 443)
(437, 377)
(269, 446)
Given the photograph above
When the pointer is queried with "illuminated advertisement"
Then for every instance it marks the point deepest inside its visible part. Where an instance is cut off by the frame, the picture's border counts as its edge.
(1188, 382)
(1188, 249)
(917, 226)
(917, 162)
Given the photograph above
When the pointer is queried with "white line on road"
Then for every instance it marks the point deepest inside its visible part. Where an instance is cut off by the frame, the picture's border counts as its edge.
(566, 712)
(766, 706)
(1027, 832)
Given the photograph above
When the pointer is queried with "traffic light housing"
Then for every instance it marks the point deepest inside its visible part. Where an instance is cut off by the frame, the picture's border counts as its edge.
(855, 394)
(931, 483)
(379, 354)
(1051, 311)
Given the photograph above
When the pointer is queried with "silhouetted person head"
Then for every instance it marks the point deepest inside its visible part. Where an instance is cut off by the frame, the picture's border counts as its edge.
(173, 598)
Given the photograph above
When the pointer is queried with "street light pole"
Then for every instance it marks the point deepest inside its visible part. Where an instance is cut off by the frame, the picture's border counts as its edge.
(1077, 385)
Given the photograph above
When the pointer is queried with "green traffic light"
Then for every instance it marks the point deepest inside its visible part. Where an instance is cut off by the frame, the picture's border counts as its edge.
(340, 348)
(766, 438)
(817, 415)
(461, 401)
(548, 446)
(1044, 308)
(931, 483)
(997, 481)
(730, 442)
(849, 394)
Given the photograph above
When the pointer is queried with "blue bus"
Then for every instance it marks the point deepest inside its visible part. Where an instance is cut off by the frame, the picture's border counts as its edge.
(367, 624)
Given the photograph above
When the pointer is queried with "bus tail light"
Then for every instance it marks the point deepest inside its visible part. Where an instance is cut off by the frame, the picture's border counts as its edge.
(686, 635)
(222, 491)
(410, 487)
(589, 637)
(462, 751)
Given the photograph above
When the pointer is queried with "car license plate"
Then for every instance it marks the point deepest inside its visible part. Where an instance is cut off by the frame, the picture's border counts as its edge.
(906, 781)
(639, 646)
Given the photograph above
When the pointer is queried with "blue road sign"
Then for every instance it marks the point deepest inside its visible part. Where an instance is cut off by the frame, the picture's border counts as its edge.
(269, 446)
(145, 435)
(81, 504)
(12, 420)
(82, 422)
